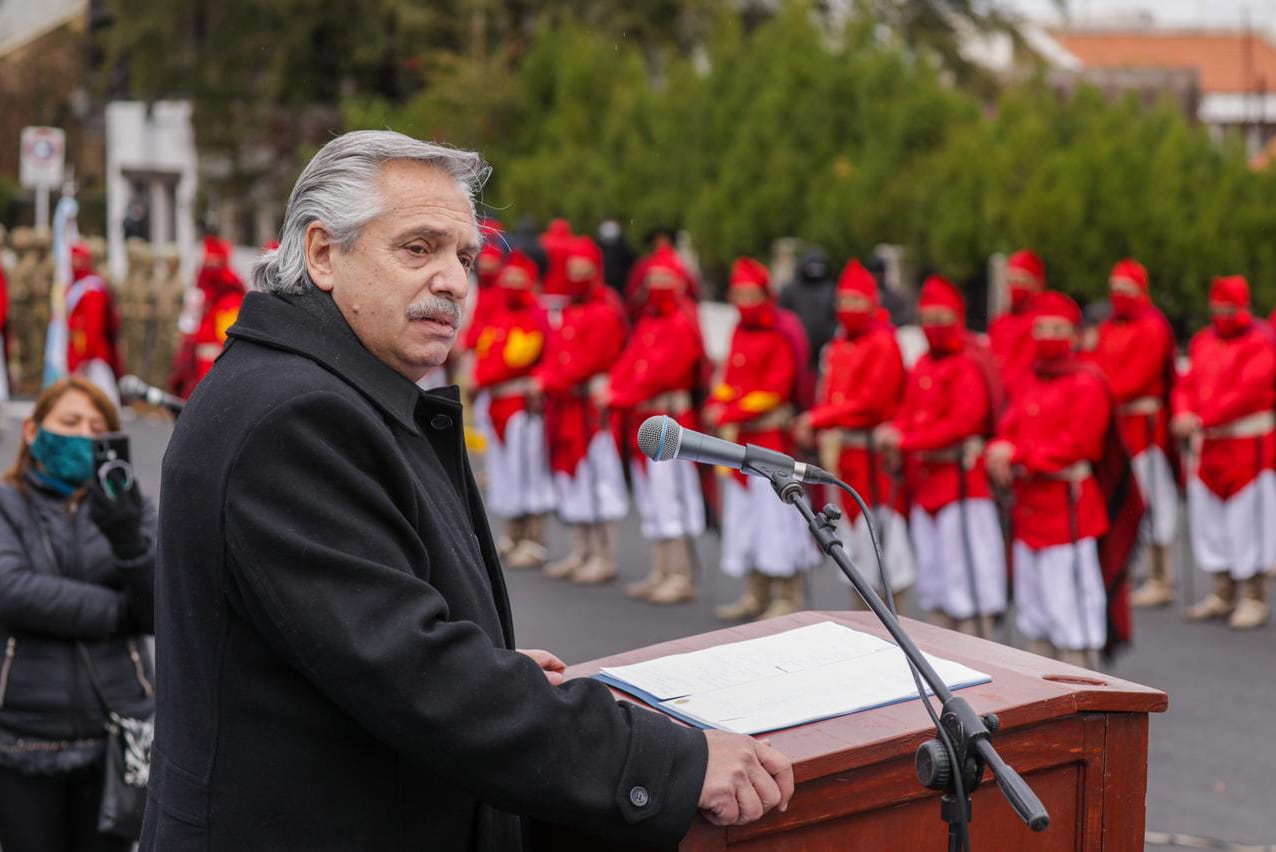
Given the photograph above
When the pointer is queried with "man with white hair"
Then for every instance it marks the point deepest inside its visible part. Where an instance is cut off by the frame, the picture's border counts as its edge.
(338, 668)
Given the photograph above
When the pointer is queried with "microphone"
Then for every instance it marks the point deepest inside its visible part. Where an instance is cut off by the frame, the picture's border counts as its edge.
(133, 388)
(661, 438)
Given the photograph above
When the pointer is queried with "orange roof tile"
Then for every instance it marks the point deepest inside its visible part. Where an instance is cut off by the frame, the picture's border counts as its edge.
(1218, 56)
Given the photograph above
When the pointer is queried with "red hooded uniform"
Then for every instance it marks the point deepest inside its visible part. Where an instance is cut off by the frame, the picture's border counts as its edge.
(947, 410)
(1010, 334)
(754, 400)
(223, 296)
(558, 243)
(661, 363)
(1231, 387)
(92, 325)
(1058, 423)
(582, 345)
(510, 345)
(862, 388)
(1136, 352)
(487, 300)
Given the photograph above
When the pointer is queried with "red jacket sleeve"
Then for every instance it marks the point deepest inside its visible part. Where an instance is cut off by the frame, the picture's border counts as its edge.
(87, 327)
(1079, 439)
(1250, 388)
(874, 393)
(765, 388)
(966, 413)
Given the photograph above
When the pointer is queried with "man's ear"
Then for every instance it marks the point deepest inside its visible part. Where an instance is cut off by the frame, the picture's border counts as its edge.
(319, 249)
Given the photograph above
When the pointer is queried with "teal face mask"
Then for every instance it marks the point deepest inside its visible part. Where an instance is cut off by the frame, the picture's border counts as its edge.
(66, 458)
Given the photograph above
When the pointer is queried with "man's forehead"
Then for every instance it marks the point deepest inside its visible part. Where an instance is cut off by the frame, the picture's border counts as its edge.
(417, 197)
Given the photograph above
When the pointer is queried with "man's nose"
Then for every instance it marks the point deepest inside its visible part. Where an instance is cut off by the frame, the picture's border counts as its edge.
(453, 282)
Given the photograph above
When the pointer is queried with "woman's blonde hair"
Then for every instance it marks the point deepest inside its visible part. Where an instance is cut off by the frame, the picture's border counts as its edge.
(48, 399)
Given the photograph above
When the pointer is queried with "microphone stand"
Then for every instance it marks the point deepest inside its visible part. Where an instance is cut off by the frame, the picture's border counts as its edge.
(969, 735)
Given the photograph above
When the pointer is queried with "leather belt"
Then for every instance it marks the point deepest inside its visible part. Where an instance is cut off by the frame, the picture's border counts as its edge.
(1075, 472)
(780, 417)
(966, 453)
(1142, 405)
(514, 387)
(669, 402)
(1251, 426)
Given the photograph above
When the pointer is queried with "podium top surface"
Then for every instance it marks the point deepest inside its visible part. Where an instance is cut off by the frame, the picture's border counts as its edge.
(1025, 689)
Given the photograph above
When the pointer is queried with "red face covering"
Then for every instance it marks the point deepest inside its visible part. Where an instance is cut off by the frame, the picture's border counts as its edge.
(757, 316)
(1054, 348)
(1228, 326)
(943, 339)
(1020, 297)
(855, 322)
(1125, 306)
(662, 301)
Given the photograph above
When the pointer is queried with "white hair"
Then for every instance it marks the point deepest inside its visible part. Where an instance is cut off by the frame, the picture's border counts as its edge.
(338, 187)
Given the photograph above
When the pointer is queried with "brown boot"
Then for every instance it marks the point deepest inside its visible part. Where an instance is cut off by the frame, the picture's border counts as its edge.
(756, 598)
(1218, 603)
(679, 586)
(1158, 589)
(659, 569)
(786, 597)
(530, 552)
(575, 558)
(1252, 610)
(600, 567)
(510, 538)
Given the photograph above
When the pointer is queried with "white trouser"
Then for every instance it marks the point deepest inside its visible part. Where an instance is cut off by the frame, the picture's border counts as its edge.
(1238, 534)
(897, 551)
(669, 500)
(518, 476)
(100, 373)
(944, 573)
(1059, 595)
(760, 532)
(1160, 492)
(596, 492)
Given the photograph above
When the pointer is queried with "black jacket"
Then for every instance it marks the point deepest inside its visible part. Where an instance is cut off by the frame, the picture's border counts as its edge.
(334, 631)
(812, 296)
(87, 596)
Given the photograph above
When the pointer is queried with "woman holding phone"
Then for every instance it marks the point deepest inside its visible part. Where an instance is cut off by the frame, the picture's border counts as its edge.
(77, 568)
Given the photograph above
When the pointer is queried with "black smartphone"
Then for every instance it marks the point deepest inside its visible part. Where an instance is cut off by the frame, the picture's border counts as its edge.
(111, 460)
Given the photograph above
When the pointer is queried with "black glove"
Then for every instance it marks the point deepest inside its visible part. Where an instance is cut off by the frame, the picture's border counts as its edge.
(119, 519)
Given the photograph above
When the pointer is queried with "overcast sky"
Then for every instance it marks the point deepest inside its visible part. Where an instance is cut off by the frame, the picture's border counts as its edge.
(1228, 13)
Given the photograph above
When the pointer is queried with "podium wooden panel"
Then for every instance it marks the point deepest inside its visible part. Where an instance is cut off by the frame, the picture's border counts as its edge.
(1078, 737)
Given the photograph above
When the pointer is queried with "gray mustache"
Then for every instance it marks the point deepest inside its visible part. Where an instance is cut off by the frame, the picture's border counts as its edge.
(436, 308)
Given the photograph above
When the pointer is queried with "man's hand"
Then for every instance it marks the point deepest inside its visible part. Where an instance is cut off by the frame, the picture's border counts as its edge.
(535, 397)
(550, 665)
(997, 460)
(744, 779)
(803, 433)
(1185, 425)
(887, 439)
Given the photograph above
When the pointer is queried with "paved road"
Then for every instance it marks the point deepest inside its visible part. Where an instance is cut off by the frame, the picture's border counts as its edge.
(1212, 754)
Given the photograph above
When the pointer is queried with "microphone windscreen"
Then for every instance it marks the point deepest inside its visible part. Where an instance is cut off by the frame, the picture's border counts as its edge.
(131, 387)
(659, 438)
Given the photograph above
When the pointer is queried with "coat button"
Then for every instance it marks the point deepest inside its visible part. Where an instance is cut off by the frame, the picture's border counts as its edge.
(441, 422)
(639, 797)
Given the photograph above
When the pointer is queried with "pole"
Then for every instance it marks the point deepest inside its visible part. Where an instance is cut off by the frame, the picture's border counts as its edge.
(42, 207)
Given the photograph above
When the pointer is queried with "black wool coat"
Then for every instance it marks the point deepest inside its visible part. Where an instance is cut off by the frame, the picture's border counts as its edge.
(333, 633)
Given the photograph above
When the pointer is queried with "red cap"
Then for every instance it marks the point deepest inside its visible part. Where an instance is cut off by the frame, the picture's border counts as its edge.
(1133, 271)
(215, 247)
(81, 256)
(1055, 304)
(939, 292)
(856, 279)
(519, 261)
(1230, 290)
(586, 248)
(1027, 262)
(665, 258)
(748, 272)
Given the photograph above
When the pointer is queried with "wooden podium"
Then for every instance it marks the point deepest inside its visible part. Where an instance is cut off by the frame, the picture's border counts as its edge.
(1079, 738)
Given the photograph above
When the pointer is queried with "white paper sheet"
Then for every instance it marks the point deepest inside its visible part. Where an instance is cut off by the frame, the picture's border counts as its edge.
(801, 675)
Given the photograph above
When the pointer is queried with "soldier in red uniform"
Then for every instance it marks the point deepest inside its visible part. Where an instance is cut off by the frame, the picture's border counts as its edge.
(92, 324)
(486, 298)
(861, 388)
(1049, 443)
(948, 413)
(1223, 405)
(1010, 334)
(218, 295)
(587, 332)
(762, 537)
(520, 488)
(1136, 351)
(656, 374)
